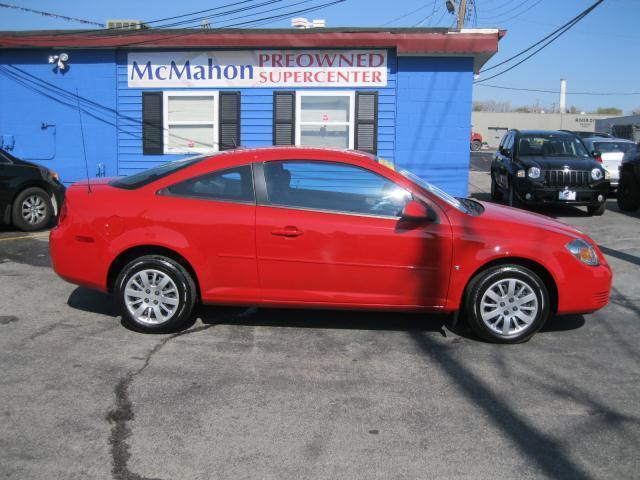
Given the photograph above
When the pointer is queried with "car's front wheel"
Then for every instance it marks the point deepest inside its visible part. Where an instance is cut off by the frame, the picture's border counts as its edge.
(32, 209)
(506, 304)
(597, 210)
(155, 294)
(496, 193)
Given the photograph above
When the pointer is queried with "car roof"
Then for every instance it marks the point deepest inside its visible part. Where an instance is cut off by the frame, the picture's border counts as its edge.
(288, 149)
(559, 133)
(609, 140)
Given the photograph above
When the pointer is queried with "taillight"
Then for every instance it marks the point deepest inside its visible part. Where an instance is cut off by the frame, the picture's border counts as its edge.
(63, 213)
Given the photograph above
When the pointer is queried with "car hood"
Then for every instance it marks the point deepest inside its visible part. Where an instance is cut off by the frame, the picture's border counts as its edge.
(516, 217)
(559, 163)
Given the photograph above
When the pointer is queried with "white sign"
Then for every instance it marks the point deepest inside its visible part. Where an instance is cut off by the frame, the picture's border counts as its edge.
(258, 68)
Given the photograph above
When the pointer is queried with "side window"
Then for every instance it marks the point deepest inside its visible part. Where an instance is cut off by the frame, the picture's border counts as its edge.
(333, 186)
(233, 184)
(508, 144)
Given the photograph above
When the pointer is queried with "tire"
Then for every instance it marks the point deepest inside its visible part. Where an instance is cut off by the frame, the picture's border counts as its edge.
(492, 287)
(476, 146)
(32, 209)
(513, 198)
(169, 307)
(597, 210)
(496, 193)
(628, 199)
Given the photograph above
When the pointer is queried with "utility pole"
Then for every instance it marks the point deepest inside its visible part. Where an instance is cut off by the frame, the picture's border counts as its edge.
(462, 12)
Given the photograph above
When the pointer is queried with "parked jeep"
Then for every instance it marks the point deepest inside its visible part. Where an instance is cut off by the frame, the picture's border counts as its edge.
(536, 167)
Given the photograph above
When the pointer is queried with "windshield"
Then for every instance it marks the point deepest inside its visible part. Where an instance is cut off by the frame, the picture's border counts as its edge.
(453, 201)
(551, 146)
(607, 147)
(145, 177)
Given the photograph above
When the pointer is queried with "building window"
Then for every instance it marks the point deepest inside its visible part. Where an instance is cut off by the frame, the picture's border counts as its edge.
(190, 120)
(325, 118)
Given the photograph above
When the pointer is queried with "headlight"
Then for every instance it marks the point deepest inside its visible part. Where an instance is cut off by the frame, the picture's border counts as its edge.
(54, 175)
(534, 172)
(583, 252)
(596, 174)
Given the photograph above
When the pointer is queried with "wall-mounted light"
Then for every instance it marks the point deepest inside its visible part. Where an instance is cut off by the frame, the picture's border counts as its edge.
(59, 60)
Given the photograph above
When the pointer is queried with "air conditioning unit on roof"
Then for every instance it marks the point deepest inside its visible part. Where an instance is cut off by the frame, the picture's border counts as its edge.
(122, 24)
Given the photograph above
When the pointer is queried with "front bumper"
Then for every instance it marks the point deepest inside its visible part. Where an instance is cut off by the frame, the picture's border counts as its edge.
(584, 289)
(537, 193)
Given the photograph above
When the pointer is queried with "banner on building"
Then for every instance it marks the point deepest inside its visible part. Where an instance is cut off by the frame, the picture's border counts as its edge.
(258, 68)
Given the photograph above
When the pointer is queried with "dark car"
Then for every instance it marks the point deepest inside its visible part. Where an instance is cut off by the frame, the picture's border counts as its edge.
(537, 167)
(629, 186)
(30, 195)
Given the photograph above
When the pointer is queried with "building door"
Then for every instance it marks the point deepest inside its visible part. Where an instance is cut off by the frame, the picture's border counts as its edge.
(495, 135)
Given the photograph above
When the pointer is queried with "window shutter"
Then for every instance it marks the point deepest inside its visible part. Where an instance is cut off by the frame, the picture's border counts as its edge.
(229, 113)
(366, 122)
(284, 118)
(152, 126)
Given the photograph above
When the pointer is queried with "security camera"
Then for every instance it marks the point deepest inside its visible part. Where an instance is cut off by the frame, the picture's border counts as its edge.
(59, 60)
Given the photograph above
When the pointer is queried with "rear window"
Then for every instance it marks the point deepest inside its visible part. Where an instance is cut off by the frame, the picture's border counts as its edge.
(145, 177)
(607, 147)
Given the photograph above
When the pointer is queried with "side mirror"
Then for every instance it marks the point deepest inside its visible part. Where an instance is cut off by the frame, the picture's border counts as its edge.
(416, 211)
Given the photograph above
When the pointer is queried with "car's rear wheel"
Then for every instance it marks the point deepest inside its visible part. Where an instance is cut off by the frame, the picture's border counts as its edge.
(155, 294)
(597, 210)
(32, 209)
(506, 304)
(476, 145)
(628, 199)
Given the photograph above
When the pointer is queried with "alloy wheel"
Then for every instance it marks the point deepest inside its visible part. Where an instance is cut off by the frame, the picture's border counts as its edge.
(509, 306)
(151, 297)
(34, 209)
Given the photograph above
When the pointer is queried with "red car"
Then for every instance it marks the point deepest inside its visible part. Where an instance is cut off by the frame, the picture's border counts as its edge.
(310, 227)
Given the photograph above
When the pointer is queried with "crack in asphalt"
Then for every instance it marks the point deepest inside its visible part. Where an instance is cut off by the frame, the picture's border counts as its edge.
(122, 414)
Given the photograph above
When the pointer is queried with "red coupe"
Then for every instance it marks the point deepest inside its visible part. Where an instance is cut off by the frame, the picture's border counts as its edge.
(311, 227)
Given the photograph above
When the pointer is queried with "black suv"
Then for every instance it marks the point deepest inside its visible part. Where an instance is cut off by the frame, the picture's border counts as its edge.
(629, 185)
(30, 195)
(535, 167)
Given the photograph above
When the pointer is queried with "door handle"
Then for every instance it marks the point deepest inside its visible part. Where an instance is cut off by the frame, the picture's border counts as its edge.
(287, 232)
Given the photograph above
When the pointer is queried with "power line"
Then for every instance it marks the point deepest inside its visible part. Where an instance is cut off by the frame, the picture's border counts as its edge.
(51, 14)
(255, 22)
(195, 30)
(522, 12)
(506, 12)
(407, 14)
(503, 87)
(552, 37)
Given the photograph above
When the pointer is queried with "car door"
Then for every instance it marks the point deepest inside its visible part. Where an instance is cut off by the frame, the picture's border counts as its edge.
(330, 233)
(215, 214)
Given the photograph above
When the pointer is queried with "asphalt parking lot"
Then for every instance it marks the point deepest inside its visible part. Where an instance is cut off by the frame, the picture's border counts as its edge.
(293, 394)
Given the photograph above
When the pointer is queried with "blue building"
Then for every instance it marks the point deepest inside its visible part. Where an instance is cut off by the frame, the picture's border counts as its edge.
(129, 100)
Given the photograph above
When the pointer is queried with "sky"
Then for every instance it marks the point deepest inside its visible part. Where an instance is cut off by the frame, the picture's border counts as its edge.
(599, 54)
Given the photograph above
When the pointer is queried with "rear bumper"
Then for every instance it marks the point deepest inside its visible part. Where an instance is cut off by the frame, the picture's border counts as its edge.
(77, 258)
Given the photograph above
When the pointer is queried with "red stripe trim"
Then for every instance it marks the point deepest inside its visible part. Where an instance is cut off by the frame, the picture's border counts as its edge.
(404, 43)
